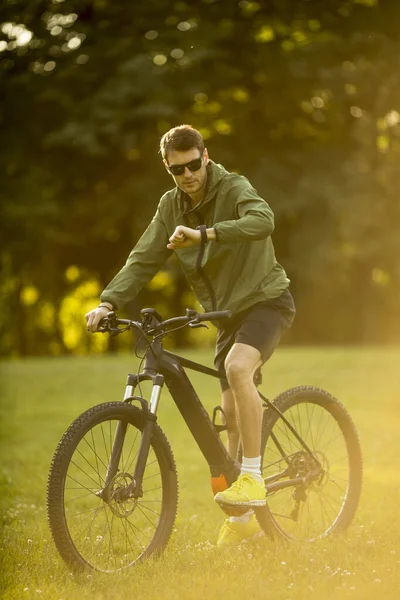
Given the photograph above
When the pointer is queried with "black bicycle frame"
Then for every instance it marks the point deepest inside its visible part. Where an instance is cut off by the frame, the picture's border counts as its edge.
(163, 366)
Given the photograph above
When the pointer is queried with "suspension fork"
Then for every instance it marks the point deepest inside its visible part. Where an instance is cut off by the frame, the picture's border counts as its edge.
(134, 490)
(151, 419)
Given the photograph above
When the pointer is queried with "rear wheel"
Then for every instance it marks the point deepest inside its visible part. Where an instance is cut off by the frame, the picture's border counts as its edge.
(328, 496)
(116, 532)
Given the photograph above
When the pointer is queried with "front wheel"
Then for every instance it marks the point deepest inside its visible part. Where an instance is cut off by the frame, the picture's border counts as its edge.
(112, 532)
(330, 476)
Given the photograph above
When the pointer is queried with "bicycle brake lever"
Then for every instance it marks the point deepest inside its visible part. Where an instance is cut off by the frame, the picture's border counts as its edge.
(113, 331)
(102, 327)
(198, 325)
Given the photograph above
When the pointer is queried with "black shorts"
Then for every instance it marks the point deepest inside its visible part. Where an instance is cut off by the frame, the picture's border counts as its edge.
(260, 326)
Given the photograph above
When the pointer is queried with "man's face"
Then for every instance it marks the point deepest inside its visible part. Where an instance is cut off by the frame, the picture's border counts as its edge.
(190, 182)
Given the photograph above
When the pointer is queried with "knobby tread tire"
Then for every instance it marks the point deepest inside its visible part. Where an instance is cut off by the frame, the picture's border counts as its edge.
(59, 467)
(324, 399)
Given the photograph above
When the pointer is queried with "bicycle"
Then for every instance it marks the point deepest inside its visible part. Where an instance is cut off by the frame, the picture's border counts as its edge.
(113, 489)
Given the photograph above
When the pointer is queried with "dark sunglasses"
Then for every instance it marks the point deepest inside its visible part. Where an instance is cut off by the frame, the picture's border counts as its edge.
(193, 165)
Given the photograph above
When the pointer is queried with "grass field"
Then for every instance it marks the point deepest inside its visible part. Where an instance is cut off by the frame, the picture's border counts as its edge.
(39, 399)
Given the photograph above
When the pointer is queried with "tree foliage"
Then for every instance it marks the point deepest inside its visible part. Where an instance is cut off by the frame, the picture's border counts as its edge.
(302, 97)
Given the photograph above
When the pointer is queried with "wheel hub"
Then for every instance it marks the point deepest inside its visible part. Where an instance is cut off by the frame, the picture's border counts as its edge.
(303, 465)
(121, 501)
(316, 475)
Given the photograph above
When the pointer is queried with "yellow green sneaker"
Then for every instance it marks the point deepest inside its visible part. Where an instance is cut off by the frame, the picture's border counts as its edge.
(232, 533)
(246, 491)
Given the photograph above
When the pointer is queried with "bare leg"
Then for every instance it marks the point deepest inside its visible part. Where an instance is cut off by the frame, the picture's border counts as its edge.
(240, 365)
(249, 490)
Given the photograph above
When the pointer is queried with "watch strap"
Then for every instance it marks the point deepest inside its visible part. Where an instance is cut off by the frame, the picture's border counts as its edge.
(203, 233)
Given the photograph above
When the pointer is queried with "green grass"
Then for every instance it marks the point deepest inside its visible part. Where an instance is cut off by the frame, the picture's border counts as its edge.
(40, 397)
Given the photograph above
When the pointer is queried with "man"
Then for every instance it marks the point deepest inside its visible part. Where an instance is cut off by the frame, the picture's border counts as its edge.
(239, 273)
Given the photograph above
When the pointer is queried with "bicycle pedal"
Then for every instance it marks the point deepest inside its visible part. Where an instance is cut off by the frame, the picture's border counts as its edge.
(218, 428)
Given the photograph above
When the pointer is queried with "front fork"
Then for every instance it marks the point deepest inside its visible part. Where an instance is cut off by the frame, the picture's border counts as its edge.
(134, 489)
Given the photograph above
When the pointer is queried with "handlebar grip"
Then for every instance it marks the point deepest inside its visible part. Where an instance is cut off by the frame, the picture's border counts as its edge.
(215, 315)
(107, 322)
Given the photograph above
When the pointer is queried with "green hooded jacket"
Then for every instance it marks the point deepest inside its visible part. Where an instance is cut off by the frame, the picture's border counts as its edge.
(240, 265)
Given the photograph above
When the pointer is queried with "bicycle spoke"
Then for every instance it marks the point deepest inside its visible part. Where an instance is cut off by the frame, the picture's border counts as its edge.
(81, 484)
(126, 461)
(135, 532)
(84, 472)
(91, 466)
(128, 539)
(77, 498)
(141, 506)
(74, 527)
(153, 489)
(93, 449)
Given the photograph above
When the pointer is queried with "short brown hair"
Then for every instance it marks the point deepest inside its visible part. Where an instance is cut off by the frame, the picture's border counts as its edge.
(181, 138)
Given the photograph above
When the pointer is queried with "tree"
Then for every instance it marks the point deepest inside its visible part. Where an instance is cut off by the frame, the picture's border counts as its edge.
(301, 97)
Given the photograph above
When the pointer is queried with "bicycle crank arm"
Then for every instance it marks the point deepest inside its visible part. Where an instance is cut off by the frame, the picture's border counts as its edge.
(280, 485)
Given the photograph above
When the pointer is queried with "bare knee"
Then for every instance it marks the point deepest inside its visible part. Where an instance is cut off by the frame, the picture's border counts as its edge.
(236, 372)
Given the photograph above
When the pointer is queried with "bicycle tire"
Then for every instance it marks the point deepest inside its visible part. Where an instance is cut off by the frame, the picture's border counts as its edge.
(109, 535)
(324, 505)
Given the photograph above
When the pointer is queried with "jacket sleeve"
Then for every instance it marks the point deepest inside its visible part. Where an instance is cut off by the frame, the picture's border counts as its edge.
(255, 219)
(145, 260)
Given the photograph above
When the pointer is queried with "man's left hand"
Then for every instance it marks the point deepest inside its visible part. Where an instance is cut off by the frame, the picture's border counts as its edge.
(184, 237)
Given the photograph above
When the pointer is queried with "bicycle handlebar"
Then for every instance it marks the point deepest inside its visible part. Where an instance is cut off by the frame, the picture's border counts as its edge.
(151, 324)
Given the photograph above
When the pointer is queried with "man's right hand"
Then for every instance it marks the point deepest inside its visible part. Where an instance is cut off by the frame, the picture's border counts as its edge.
(94, 317)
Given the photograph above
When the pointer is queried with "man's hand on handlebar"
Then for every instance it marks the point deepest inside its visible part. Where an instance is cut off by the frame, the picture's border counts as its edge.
(94, 317)
(151, 322)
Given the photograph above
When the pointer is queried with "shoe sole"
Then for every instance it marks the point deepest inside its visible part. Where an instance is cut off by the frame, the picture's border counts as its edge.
(248, 504)
(234, 511)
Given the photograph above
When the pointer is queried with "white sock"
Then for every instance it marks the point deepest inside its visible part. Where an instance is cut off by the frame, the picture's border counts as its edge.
(252, 466)
(243, 518)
